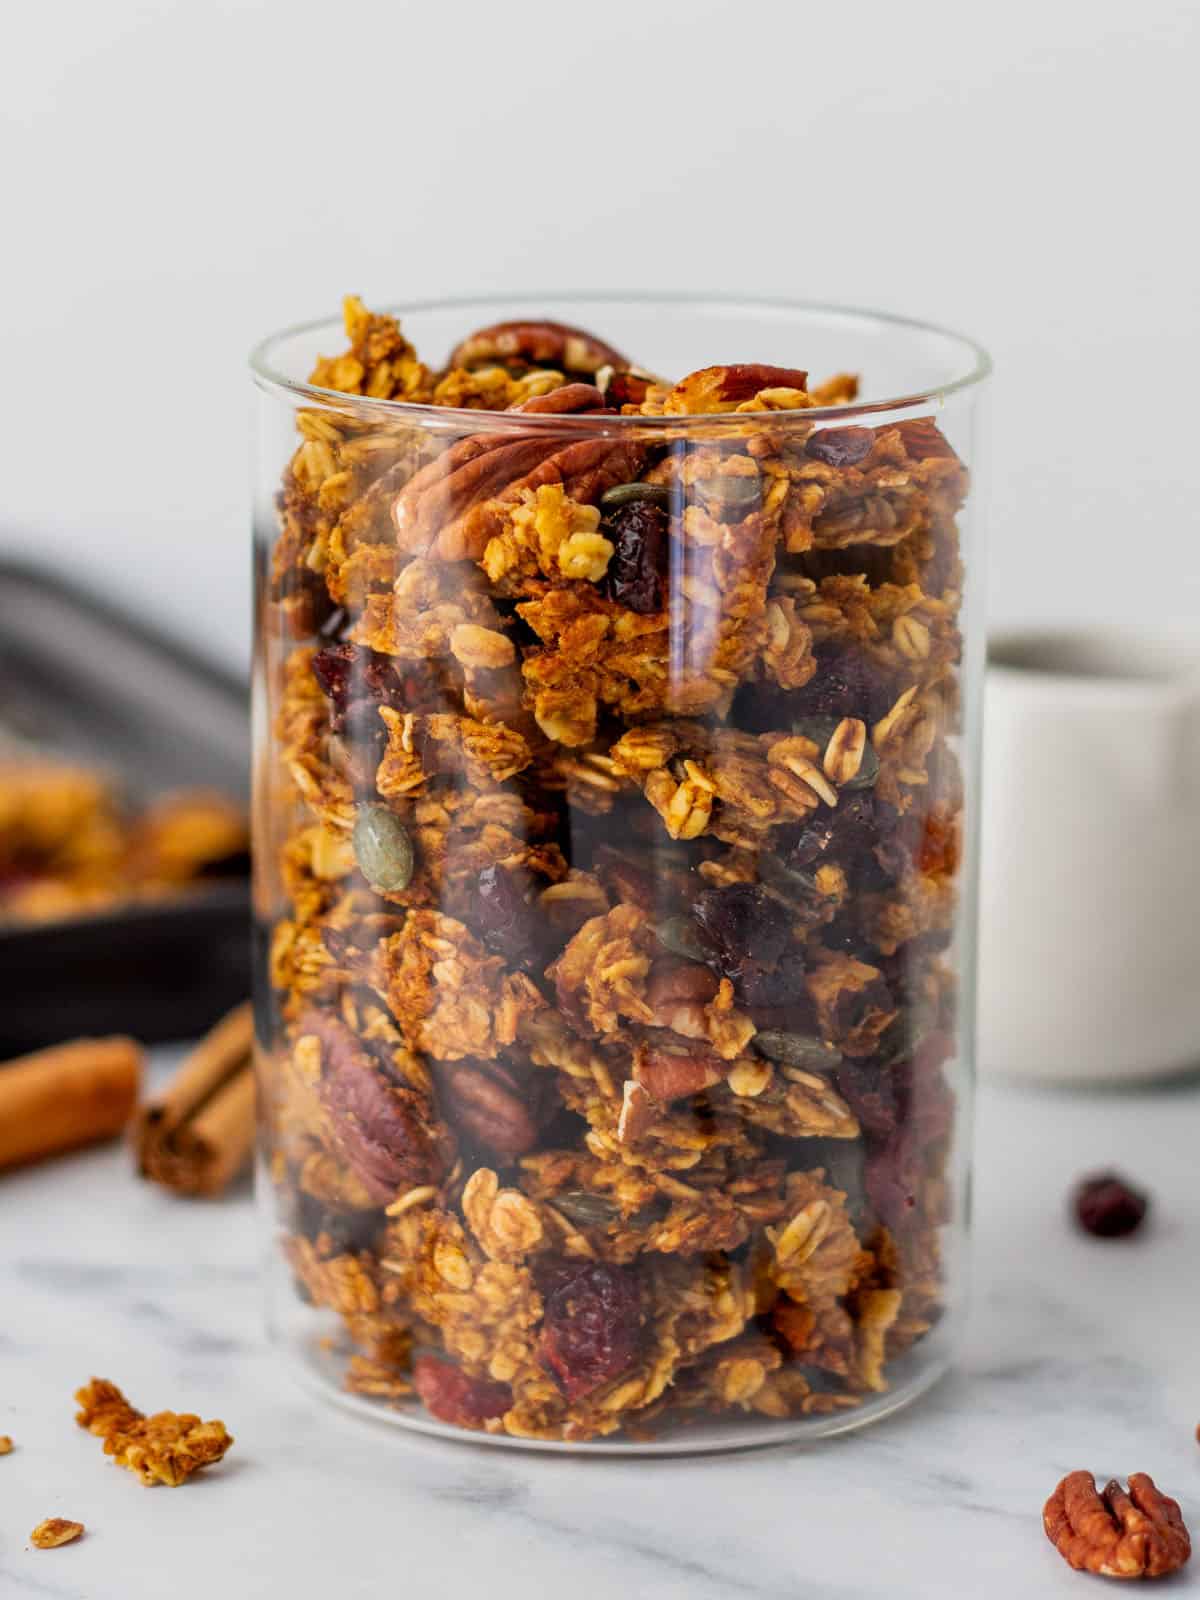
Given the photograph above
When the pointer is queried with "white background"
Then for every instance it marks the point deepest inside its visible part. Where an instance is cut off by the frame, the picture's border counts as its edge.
(181, 177)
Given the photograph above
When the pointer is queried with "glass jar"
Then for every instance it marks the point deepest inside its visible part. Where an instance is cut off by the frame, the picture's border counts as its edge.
(616, 768)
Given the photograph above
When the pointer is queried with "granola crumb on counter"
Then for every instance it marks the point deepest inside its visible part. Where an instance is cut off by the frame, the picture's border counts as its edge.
(167, 1447)
(48, 1535)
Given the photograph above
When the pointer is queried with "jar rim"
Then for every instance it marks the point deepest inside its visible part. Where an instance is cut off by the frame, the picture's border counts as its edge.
(271, 378)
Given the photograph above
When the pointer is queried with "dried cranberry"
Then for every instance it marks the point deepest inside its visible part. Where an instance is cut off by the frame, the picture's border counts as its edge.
(637, 570)
(504, 913)
(845, 934)
(1108, 1206)
(451, 1396)
(741, 925)
(840, 447)
(850, 837)
(780, 989)
(872, 1093)
(845, 684)
(892, 1175)
(592, 1329)
(358, 681)
(349, 674)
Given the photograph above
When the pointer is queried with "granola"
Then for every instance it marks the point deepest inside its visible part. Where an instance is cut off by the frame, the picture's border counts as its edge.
(610, 867)
(70, 847)
(48, 1535)
(167, 1447)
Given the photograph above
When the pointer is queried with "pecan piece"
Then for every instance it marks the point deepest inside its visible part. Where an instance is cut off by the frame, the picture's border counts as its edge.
(923, 439)
(725, 388)
(541, 344)
(385, 1131)
(485, 1102)
(674, 1074)
(1139, 1534)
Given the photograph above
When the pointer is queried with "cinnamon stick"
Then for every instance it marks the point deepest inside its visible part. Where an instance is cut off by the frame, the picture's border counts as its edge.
(70, 1095)
(197, 1136)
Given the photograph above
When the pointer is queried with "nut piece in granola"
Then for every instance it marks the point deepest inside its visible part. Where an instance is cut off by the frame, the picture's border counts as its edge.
(1137, 1533)
(48, 1535)
(164, 1448)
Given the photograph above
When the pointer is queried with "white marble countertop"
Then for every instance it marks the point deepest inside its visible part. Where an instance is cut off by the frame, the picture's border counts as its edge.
(1081, 1353)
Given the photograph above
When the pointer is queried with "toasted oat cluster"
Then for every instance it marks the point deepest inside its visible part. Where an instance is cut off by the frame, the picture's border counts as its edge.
(613, 837)
(69, 848)
(164, 1448)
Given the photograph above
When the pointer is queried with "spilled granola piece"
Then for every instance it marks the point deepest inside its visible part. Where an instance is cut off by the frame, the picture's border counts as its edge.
(167, 1447)
(48, 1535)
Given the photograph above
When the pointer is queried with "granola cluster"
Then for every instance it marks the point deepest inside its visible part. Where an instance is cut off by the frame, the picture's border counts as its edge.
(611, 845)
(68, 847)
(164, 1448)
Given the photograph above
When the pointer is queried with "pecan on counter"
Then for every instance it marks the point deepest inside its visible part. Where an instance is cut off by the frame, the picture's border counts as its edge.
(618, 837)
(1116, 1533)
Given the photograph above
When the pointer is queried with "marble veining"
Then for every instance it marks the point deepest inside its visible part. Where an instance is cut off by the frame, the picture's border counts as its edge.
(1078, 1353)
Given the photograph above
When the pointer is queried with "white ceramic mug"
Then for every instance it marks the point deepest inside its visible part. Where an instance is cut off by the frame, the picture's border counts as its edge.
(1090, 888)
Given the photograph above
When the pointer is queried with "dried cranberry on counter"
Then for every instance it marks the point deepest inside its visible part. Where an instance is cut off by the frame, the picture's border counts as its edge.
(1108, 1206)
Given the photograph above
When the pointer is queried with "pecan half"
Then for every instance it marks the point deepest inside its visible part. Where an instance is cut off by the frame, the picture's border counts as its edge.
(486, 1103)
(386, 1131)
(443, 511)
(1139, 1534)
(542, 344)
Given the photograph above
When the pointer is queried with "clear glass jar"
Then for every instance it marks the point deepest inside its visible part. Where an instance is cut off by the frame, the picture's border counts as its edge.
(616, 768)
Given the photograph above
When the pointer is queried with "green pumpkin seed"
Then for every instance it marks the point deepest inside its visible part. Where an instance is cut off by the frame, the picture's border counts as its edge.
(624, 494)
(868, 770)
(679, 936)
(383, 849)
(586, 1210)
(732, 491)
(820, 730)
(796, 1050)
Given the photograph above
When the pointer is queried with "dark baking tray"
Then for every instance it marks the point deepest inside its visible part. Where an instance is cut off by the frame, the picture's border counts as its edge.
(82, 680)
